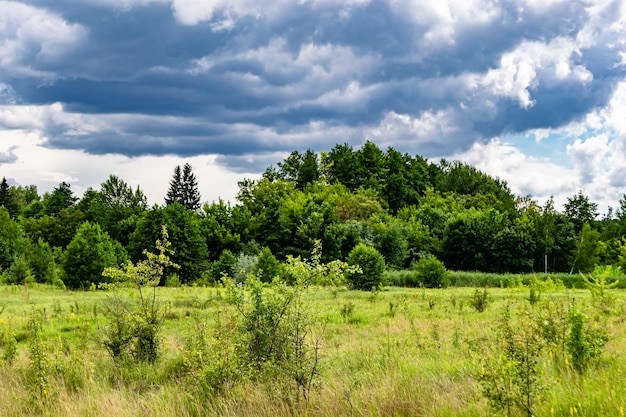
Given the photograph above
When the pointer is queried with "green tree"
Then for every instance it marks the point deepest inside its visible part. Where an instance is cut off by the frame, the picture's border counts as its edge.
(184, 189)
(187, 242)
(42, 262)
(342, 165)
(372, 268)
(464, 179)
(87, 255)
(267, 266)
(219, 228)
(390, 239)
(373, 172)
(61, 198)
(580, 210)
(431, 272)
(57, 230)
(486, 241)
(7, 200)
(585, 255)
(12, 239)
(116, 207)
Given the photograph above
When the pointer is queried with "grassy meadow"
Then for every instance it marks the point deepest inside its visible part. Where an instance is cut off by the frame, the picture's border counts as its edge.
(394, 352)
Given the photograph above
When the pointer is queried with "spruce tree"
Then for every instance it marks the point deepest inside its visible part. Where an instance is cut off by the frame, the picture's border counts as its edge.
(184, 189)
(174, 194)
(191, 195)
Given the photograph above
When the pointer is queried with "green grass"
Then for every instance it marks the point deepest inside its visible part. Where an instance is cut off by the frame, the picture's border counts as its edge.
(399, 352)
(407, 278)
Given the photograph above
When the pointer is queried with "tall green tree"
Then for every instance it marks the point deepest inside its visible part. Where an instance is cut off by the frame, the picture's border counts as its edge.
(580, 210)
(116, 207)
(187, 242)
(587, 250)
(7, 200)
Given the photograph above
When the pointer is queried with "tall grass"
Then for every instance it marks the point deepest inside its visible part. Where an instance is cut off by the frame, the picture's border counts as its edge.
(406, 352)
(408, 278)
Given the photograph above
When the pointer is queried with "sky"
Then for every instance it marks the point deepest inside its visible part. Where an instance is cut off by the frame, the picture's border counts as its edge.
(530, 91)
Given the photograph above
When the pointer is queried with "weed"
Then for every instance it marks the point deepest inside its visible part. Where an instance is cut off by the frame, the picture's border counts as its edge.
(510, 376)
(480, 300)
(149, 314)
(38, 373)
(583, 343)
(347, 312)
(10, 345)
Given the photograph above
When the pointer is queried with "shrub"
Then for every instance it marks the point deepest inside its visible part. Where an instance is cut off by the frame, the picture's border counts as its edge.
(244, 267)
(225, 265)
(480, 300)
(431, 272)
(267, 266)
(88, 254)
(372, 265)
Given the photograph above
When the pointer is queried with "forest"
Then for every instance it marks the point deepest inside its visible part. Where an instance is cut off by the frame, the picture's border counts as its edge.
(401, 206)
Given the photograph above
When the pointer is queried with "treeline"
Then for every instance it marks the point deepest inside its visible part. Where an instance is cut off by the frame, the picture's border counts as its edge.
(401, 205)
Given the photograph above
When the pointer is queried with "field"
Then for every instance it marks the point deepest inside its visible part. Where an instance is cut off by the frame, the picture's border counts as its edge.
(398, 351)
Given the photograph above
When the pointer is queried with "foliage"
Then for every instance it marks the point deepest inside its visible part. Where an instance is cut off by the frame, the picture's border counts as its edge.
(314, 272)
(185, 235)
(20, 272)
(267, 267)
(431, 272)
(510, 375)
(276, 333)
(7, 200)
(184, 189)
(87, 255)
(371, 266)
(148, 315)
(584, 343)
(38, 374)
(580, 210)
(225, 265)
(61, 198)
(597, 282)
(586, 251)
(480, 300)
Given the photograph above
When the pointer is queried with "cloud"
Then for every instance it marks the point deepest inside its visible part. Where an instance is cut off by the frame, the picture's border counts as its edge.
(9, 156)
(33, 40)
(243, 82)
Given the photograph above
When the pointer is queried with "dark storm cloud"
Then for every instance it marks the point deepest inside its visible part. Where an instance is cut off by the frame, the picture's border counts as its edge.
(148, 82)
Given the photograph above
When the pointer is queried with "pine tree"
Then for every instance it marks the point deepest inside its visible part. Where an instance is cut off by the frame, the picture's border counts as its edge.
(174, 194)
(5, 194)
(184, 189)
(190, 193)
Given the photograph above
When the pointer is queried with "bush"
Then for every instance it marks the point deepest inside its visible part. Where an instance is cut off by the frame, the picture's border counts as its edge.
(267, 266)
(431, 272)
(372, 265)
(225, 265)
(88, 254)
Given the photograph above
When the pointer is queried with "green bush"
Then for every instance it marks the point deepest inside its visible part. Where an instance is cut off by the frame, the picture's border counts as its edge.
(431, 272)
(88, 254)
(267, 266)
(372, 265)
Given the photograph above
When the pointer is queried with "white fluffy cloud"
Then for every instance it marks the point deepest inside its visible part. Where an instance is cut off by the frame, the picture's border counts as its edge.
(529, 64)
(31, 38)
